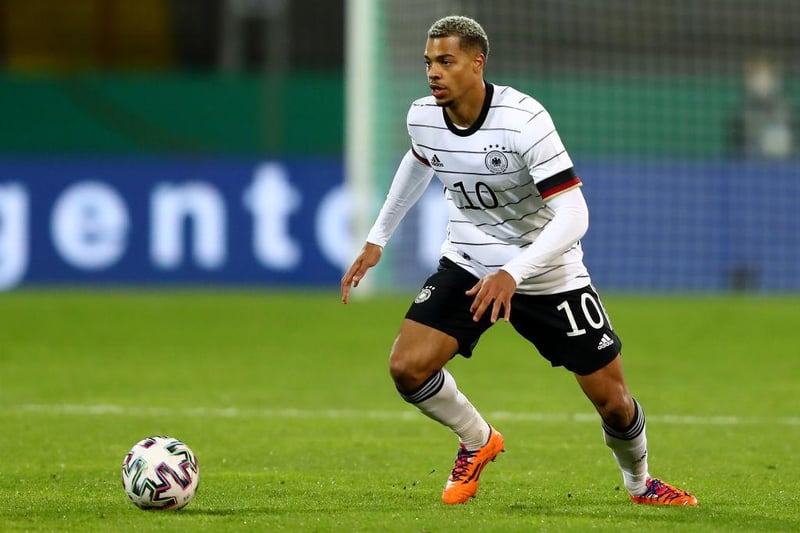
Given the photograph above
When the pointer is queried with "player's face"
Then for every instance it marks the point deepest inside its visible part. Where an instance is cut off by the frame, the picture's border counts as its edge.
(452, 71)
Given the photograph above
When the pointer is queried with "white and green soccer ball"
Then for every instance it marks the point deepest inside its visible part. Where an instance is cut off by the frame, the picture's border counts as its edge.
(160, 473)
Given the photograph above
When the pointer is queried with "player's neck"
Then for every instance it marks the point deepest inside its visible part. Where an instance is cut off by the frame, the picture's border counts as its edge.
(467, 109)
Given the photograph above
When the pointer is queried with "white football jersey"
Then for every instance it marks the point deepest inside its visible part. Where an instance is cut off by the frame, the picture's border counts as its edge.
(497, 175)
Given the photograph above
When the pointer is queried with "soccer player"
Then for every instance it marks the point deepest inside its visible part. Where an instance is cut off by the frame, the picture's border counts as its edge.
(512, 251)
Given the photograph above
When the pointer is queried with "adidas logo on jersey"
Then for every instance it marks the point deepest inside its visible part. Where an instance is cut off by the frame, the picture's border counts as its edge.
(605, 342)
(436, 162)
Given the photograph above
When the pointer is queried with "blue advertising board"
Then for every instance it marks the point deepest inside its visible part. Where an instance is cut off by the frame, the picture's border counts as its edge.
(693, 225)
(168, 221)
(654, 225)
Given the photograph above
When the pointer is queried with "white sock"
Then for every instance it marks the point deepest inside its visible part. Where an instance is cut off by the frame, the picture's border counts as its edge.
(440, 399)
(630, 450)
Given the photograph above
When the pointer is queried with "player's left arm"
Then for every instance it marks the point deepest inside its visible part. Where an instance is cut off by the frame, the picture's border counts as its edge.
(551, 169)
(568, 225)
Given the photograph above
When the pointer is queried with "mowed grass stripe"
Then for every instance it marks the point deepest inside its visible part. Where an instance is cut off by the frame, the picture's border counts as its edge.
(358, 414)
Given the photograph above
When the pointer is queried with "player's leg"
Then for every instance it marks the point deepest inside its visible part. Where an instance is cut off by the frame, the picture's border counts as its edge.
(622, 420)
(572, 330)
(436, 328)
(416, 365)
(624, 431)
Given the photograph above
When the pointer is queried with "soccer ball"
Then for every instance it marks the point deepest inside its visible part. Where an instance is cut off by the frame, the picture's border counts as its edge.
(160, 473)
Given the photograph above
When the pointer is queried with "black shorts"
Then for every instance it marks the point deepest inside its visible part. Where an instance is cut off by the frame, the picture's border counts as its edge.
(570, 329)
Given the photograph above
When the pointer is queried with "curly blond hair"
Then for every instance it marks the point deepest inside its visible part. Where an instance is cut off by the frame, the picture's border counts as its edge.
(470, 33)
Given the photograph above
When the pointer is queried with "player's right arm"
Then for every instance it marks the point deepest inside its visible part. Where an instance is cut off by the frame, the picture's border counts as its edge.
(368, 258)
(409, 183)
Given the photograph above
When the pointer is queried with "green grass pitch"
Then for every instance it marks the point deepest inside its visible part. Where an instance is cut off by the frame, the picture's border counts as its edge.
(286, 400)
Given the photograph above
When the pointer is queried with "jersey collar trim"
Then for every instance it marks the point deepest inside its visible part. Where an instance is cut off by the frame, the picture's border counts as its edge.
(487, 103)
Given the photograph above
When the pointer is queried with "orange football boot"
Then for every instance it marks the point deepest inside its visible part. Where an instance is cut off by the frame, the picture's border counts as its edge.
(463, 481)
(660, 493)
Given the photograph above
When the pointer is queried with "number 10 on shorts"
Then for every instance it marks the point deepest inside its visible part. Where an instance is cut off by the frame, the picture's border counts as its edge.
(592, 309)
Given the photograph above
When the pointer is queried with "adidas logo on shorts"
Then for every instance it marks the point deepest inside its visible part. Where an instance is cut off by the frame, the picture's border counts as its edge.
(605, 342)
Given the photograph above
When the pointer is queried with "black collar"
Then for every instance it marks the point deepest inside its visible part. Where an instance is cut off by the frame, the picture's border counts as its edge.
(487, 102)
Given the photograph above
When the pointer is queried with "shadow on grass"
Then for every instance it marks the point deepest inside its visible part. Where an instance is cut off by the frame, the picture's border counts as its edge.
(625, 514)
(238, 511)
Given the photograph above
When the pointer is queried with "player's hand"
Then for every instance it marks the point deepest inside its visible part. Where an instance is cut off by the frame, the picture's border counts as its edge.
(494, 290)
(368, 258)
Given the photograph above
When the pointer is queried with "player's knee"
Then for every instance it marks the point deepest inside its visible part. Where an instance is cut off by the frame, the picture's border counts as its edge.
(617, 411)
(406, 374)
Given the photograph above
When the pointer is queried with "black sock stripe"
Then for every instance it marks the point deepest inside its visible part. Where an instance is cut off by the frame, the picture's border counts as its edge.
(632, 431)
(428, 389)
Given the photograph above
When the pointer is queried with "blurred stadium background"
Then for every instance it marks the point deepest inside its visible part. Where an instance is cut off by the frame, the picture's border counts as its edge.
(249, 142)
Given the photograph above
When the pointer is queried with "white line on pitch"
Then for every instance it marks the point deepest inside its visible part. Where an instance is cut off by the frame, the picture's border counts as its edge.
(410, 414)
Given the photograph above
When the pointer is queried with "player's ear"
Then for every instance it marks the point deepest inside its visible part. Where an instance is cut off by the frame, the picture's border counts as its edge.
(479, 62)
